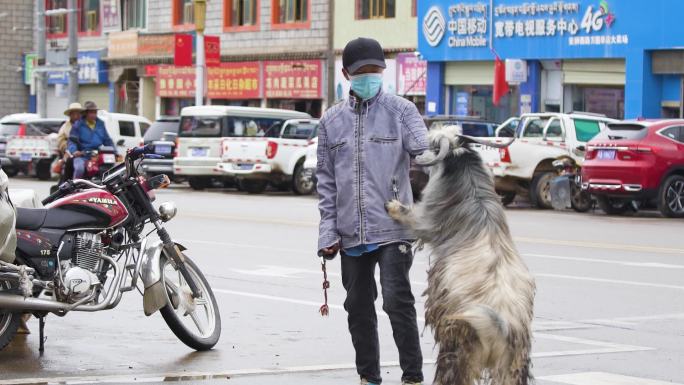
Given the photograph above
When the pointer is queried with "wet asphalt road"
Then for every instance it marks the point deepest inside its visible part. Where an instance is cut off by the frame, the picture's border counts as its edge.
(609, 306)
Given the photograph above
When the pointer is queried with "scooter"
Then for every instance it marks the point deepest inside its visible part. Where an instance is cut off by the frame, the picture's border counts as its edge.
(566, 189)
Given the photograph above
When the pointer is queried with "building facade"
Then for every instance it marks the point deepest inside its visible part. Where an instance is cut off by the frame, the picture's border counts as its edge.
(16, 27)
(617, 58)
(393, 23)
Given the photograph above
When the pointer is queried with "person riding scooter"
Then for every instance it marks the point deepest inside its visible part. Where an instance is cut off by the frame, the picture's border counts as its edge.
(75, 113)
(88, 134)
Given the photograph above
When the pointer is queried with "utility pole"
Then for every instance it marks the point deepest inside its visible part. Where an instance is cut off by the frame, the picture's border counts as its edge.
(41, 77)
(330, 54)
(200, 17)
(73, 51)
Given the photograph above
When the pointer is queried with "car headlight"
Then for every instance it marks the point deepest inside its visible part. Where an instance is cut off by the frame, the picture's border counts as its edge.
(167, 211)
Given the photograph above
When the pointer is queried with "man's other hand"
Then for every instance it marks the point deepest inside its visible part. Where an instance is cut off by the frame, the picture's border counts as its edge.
(329, 252)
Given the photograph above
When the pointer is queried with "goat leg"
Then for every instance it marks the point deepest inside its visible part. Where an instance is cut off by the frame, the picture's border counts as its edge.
(400, 213)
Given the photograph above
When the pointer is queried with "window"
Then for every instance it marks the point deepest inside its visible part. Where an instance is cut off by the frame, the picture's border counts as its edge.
(183, 12)
(134, 14)
(241, 14)
(624, 131)
(674, 133)
(300, 131)
(554, 131)
(201, 126)
(89, 16)
(126, 128)
(586, 130)
(375, 9)
(143, 128)
(291, 13)
(158, 128)
(535, 128)
(247, 126)
(56, 25)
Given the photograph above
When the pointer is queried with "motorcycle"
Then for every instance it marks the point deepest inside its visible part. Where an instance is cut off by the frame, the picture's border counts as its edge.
(99, 162)
(566, 189)
(89, 246)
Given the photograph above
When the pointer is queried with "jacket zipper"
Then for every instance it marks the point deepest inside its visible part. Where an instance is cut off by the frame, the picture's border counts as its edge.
(358, 166)
(395, 189)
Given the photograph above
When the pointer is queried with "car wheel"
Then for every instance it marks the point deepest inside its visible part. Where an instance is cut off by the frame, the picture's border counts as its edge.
(613, 206)
(540, 190)
(198, 183)
(254, 186)
(507, 198)
(671, 197)
(581, 200)
(11, 171)
(301, 183)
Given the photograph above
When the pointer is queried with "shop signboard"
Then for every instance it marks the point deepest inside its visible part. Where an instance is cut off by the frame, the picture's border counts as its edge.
(301, 79)
(389, 79)
(110, 10)
(155, 44)
(516, 71)
(545, 29)
(176, 82)
(30, 62)
(239, 80)
(91, 70)
(411, 75)
(212, 51)
(123, 44)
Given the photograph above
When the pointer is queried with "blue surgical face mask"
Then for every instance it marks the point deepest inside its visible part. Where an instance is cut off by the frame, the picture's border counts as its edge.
(366, 86)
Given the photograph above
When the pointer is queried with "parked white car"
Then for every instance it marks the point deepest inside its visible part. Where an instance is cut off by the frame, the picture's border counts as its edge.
(277, 158)
(525, 167)
(311, 161)
(34, 146)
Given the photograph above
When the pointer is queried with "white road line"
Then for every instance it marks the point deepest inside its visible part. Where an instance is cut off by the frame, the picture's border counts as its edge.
(608, 261)
(597, 378)
(612, 281)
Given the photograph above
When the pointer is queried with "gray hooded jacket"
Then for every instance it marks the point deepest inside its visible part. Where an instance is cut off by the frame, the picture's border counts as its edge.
(364, 151)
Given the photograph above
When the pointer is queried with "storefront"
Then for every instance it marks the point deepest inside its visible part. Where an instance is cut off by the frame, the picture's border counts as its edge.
(412, 78)
(92, 79)
(294, 85)
(582, 55)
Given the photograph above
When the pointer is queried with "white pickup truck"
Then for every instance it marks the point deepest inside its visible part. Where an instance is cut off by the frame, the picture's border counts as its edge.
(276, 158)
(525, 167)
(34, 147)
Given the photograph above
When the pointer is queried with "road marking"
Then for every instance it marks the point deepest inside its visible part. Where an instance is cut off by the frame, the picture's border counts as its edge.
(598, 378)
(612, 281)
(608, 261)
(598, 245)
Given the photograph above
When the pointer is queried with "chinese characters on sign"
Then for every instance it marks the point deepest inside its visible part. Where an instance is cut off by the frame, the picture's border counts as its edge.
(293, 79)
(111, 15)
(468, 25)
(176, 82)
(234, 81)
(411, 75)
(91, 70)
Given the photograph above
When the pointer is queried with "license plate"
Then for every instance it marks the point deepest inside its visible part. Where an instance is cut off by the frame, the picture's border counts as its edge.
(109, 158)
(244, 166)
(24, 157)
(606, 154)
(162, 149)
(199, 152)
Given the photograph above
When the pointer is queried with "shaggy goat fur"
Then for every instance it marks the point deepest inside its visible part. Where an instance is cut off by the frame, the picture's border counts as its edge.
(480, 293)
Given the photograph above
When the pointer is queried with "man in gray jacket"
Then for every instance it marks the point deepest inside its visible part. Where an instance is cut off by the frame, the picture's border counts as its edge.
(364, 149)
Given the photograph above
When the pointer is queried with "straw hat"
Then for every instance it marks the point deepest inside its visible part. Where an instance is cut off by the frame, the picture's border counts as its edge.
(73, 107)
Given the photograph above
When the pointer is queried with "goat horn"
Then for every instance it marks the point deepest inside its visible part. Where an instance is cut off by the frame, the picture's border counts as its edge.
(444, 145)
(470, 139)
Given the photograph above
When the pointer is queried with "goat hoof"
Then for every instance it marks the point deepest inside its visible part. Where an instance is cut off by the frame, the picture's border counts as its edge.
(394, 208)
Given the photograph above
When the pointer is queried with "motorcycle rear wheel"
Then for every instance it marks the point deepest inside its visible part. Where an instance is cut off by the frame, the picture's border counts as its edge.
(9, 322)
(201, 329)
(581, 200)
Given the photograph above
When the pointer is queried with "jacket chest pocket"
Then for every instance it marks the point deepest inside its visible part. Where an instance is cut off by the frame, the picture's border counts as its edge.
(383, 139)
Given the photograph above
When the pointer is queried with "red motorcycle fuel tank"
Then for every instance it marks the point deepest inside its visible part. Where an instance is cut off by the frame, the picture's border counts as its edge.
(92, 209)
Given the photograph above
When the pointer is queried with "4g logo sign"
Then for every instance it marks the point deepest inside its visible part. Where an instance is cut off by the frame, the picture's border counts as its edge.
(594, 21)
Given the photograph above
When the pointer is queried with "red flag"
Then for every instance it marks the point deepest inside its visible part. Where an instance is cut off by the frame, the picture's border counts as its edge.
(182, 55)
(500, 85)
(212, 51)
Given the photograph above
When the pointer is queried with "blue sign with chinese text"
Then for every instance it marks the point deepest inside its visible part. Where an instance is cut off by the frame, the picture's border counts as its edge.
(91, 70)
(452, 30)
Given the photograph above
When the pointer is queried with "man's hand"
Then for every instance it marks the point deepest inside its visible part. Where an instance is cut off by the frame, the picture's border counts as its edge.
(329, 252)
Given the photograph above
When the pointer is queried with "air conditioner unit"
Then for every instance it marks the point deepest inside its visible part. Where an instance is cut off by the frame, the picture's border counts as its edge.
(189, 13)
(91, 18)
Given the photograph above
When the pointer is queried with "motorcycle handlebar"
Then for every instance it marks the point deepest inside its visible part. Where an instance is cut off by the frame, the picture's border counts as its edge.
(62, 191)
(138, 152)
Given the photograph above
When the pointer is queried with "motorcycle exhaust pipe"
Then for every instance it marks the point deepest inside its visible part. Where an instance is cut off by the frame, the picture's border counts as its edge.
(19, 303)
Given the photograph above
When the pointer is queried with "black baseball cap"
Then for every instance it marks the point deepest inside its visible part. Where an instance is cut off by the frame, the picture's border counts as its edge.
(360, 52)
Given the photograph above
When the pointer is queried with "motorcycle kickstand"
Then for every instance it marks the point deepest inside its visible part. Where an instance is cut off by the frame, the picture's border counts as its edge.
(41, 334)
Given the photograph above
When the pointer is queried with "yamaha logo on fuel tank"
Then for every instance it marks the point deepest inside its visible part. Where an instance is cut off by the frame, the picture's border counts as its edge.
(434, 26)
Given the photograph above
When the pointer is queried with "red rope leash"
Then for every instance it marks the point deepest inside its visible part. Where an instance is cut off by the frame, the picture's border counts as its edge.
(325, 309)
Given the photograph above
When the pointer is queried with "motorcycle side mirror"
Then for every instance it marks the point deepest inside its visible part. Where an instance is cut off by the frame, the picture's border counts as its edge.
(121, 142)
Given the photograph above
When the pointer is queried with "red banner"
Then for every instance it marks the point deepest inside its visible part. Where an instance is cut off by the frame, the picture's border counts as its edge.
(176, 82)
(234, 81)
(293, 79)
(212, 51)
(182, 55)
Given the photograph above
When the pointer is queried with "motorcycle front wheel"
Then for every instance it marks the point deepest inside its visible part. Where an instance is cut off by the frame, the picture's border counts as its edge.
(197, 323)
(9, 322)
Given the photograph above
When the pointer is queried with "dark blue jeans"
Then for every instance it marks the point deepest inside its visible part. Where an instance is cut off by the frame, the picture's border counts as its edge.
(358, 278)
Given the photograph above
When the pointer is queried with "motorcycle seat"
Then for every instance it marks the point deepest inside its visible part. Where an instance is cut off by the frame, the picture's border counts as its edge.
(30, 219)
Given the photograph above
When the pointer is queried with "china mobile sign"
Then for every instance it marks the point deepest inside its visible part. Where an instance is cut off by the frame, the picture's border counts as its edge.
(472, 25)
